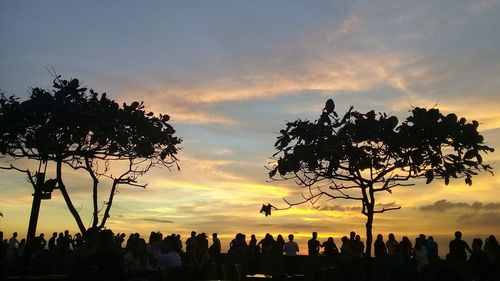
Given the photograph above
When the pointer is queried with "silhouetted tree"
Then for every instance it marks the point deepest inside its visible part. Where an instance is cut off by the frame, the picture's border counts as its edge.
(357, 155)
(79, 128)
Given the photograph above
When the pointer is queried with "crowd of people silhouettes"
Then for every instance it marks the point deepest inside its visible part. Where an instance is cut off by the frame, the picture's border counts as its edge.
(116, 257)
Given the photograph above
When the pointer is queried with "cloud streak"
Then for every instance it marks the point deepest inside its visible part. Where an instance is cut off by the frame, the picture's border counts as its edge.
(156, 220)
(445, 205)
(487, 220)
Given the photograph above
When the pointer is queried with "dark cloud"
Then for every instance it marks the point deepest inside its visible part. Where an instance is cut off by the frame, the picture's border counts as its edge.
(489, 219)
(307, 226)
(338, 208)
(355, 208)
(332, 208)
(156, 220)
(387, 205)
(445, 205)
(295, 226)
(488, 206)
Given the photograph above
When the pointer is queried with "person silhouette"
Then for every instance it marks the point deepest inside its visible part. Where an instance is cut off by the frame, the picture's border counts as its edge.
(352, 241)
(178, 246)
(458, 248)
(360, 247)
(346, 259)
(39, 243)
(479, 260)
(432, 250)
(330, 248)
(253, 254)
(267, 244)
(406, 248)
(421, 259)
(278, 246)
(3, 254)
(392, 245)
(492, 248)
(191, 242)
(214, 249)
(52, 242)
(313, 245)
(13, 247)
(380, 249)
(291, 249)
(168, 257)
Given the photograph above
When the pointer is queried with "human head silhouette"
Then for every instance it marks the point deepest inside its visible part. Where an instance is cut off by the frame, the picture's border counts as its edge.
(391, 237)
(314, 235)
(344, 239)
(492, 240)
(477, 244)
(458, 235)
(290, 237)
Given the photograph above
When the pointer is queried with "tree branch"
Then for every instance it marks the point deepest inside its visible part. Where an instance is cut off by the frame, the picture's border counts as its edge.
(386, 209)
(26, 171)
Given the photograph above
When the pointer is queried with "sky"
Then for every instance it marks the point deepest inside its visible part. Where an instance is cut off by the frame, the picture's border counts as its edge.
(231, 74)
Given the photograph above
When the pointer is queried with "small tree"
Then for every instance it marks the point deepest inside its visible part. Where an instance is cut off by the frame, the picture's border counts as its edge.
(81, 129)
(358, 155)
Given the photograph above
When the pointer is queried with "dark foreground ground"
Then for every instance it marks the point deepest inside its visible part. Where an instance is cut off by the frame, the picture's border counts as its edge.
(306, 268)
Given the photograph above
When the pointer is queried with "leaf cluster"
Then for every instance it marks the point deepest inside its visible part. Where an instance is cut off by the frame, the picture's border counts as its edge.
(71, 122)
(427, 144)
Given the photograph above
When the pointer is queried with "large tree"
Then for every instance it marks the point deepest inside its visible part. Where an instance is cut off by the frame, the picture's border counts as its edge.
(357, 155)
(73, 127)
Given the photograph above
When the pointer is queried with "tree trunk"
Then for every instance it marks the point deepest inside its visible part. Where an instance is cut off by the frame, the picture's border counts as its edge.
(369, 239)
(108, 206)
(95, 220)
(35, 211)
(369, 235)
(95, 183)
(67, 199)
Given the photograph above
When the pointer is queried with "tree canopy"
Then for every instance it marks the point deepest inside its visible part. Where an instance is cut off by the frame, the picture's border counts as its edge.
(356, 155)
(79, 128)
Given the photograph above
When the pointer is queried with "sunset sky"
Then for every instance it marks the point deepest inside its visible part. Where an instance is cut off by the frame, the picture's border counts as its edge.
(230, 74)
